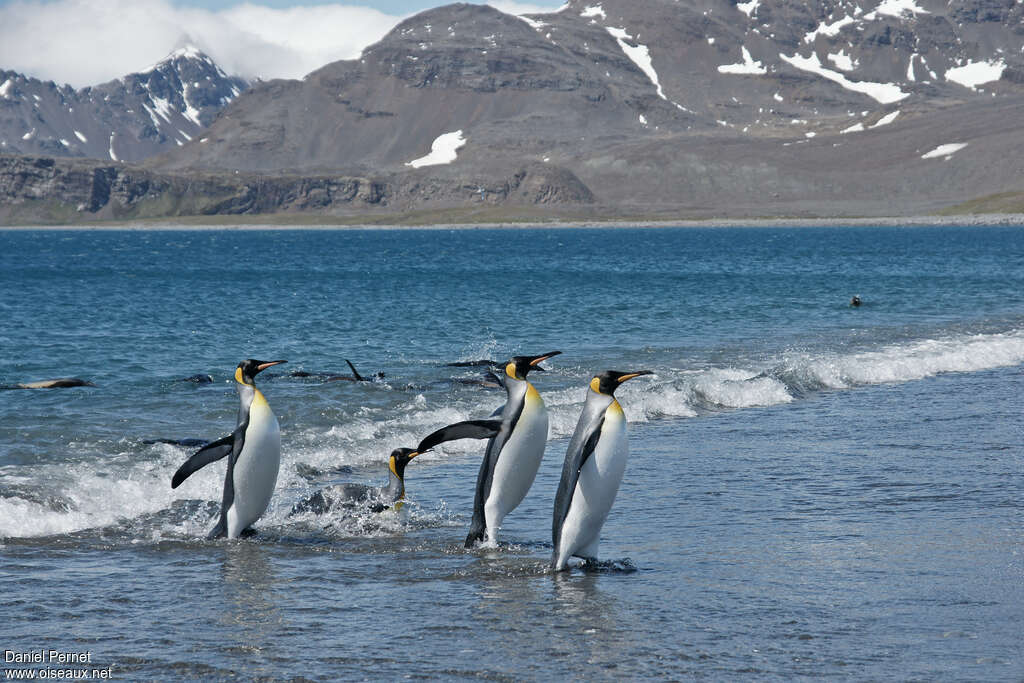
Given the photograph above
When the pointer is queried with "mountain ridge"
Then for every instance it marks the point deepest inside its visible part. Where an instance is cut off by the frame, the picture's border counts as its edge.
(619, 107)
(127, 119)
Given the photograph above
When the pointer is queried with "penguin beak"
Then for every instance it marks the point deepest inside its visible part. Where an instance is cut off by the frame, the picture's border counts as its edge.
(536, 360)
(270, 363)
(631, 375)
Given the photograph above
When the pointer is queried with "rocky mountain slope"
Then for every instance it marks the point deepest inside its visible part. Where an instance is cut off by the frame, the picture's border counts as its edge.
(649, 108)
(128, 119)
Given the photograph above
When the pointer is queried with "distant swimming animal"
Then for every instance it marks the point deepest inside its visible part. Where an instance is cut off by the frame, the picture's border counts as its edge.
(333, 377)
(855, 301)
(489, 380)
(255, 456)
(375, 498)
(518, 433)
(594, 464)
(198, 379)
(59, 383)
(188, 443)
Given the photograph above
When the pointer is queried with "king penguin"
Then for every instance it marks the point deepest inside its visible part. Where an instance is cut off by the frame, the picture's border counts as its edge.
(518, 432)
(255, 450)
(374, 498)
(594, 464)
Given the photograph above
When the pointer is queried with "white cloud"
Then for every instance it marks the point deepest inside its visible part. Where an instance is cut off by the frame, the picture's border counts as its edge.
(87, 42)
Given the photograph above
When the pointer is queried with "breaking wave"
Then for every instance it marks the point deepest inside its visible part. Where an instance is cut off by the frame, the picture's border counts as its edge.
(124, 489)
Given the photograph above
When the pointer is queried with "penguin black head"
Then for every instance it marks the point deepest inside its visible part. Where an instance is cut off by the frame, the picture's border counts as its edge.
(400, 457)
(607, 382)
(519, 366)
(247, 370)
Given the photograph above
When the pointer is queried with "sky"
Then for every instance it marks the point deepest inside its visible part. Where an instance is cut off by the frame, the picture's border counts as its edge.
(87, 42)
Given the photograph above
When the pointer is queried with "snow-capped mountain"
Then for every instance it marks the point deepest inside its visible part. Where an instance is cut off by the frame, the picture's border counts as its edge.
(604, 70)
(611, 107)
(128, 119)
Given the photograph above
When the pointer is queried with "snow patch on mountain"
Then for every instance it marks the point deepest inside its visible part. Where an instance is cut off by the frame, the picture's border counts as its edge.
(887, 119)
(640, 55)
(829, 30)
(747, 67)
(946, 151)
(896, 8)
(885, 93)
(973, 74)
(748, 8)
(442, 151)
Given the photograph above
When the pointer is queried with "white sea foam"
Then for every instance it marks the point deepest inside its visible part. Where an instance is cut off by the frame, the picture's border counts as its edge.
(912, 361)
(126, 485)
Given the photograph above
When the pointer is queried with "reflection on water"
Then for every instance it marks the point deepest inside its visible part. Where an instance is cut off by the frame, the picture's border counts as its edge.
(591, 627)
(252, 616)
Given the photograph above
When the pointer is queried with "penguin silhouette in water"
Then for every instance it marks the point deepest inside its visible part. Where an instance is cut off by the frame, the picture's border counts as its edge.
(255, 456)
(374, 498)
(59, 383)
(594, 464)
(517, 433)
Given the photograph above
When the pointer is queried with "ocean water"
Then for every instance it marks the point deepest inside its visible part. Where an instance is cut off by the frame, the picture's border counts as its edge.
(813, 491)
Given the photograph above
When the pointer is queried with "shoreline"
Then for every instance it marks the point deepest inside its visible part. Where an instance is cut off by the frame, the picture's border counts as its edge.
(965, 220)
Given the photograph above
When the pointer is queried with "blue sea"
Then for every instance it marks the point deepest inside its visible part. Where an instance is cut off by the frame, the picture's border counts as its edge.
(814, 490)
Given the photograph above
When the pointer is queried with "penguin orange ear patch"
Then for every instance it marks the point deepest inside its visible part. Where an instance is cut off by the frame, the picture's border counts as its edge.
(595, 385)
(510, 369)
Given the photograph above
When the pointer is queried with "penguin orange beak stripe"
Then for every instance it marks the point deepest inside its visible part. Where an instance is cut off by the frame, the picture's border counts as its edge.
(263, 366)
(540, 359)
(634, 374)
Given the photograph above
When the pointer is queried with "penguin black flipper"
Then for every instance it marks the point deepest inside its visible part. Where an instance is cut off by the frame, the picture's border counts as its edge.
(567, 485)
(470, 429)
(355, 373)
(211, 452)
(478, 525)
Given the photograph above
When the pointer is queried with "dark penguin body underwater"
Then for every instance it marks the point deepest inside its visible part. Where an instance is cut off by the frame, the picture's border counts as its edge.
(351, 496)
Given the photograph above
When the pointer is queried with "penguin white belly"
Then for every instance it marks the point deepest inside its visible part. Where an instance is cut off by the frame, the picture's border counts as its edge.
(596, 489)
(518, 461)
(255, 472)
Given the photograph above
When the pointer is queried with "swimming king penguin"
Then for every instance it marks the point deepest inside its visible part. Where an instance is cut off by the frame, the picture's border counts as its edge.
(255, 450)
(594, 464)
(518, 432)
(374, 498)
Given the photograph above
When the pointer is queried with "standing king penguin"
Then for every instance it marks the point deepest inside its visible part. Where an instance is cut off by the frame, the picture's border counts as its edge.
(518, 433)
(255, 450)
(594, 464)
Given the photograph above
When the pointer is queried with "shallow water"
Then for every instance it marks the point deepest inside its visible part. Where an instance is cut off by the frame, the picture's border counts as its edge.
(813, 490)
